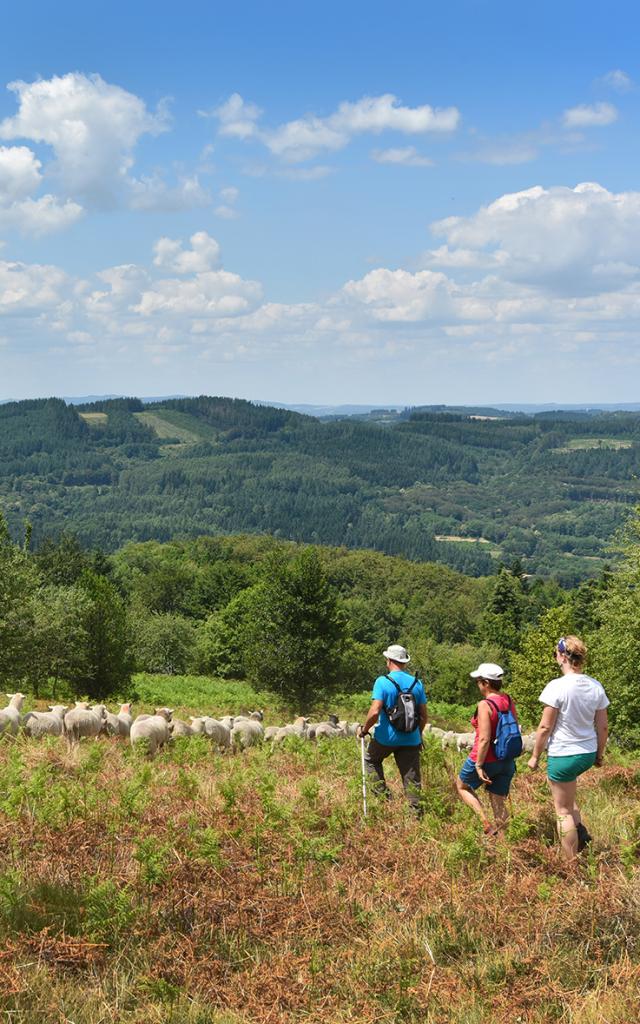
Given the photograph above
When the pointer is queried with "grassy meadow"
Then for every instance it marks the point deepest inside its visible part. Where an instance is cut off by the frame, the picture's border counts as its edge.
(201, 888)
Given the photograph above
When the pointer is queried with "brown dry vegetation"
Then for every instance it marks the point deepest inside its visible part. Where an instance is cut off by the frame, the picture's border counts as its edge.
(201, 888)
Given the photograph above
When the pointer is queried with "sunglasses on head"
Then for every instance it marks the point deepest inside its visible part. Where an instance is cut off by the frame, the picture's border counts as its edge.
(561, 646)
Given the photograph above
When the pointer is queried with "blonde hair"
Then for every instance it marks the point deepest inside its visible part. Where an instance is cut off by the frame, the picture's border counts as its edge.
(574, 649)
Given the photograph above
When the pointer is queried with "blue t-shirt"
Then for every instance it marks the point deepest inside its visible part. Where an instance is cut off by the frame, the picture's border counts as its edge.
(385, 691)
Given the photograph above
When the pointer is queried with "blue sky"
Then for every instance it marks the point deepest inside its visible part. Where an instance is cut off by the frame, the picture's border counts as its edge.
(321, 202)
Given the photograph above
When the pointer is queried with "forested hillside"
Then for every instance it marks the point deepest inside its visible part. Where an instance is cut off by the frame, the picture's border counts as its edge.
(468, 490)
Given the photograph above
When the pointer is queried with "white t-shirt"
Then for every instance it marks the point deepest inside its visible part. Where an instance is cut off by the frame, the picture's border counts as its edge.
(577, 698)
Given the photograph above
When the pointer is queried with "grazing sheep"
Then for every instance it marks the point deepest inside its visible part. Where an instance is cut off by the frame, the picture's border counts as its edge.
(179, 728)
(465, 740)
(528, 743)
(215, 730)
(120, 724)
(45, 723)
(448, 740)
(84, 721)
(247, 733)
(153, 730)
(328, 730)
(435, 731)
(270, 732)
(10, 716)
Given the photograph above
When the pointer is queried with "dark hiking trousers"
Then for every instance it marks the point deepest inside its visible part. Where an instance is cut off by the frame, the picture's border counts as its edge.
(408, 762)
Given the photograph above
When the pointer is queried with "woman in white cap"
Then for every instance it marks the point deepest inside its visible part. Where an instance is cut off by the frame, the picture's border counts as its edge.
(573, 729)
(393, 733)
(482, 767)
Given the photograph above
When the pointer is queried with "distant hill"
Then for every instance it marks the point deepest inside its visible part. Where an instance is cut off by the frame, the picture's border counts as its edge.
(466, 488)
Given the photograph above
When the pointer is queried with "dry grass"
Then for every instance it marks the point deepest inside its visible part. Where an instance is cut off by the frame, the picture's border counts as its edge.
(201, 888)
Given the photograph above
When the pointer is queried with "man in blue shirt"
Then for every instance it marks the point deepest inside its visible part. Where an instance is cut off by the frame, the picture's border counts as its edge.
(386, 739)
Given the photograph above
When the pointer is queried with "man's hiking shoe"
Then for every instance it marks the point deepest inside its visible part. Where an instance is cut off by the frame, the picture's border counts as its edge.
(490, 830)
(584, 837)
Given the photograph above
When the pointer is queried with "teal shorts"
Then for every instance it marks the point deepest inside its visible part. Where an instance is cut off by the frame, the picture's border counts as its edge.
(567, 769)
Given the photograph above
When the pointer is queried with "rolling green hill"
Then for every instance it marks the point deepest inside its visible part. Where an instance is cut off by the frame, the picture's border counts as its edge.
(550, 489)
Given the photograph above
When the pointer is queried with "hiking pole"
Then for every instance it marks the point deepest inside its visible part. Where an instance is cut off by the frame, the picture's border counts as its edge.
(364, 778)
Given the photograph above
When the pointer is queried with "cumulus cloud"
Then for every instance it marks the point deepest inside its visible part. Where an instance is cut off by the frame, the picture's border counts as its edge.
(39, 216)
(202, 256)
(19, 172)
(237, 118)
(401, 296)
(617, 80)
(555, 235)
(596, 115)
(30, 288)
(306, 137)
(216, 293)
(407, 157)
(153, 193)
(91, 126)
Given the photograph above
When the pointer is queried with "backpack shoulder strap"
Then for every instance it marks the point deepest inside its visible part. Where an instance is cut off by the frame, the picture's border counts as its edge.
(398, 688)
(494, 705)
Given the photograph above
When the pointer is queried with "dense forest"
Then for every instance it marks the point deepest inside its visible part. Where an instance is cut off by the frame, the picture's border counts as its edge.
(471, 490)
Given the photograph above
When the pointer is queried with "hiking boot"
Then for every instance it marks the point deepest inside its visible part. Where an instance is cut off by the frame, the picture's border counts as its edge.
(584, 837)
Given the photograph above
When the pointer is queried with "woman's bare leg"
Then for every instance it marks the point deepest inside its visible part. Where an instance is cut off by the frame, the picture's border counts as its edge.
(500, 809)
(564, 799)
(469, 798)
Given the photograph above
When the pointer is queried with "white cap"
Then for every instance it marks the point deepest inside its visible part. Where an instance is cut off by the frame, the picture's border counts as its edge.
(488, 670)
(395, 652)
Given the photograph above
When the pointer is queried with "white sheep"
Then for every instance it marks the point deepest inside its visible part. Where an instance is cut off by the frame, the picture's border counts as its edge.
(528, 743)
(45, 723)
(84, 721)
(228, 720)
(120, 724)
(215, 730)
(153, 730)
(448, 740)
(10, 716)
(465, 740)
(328, 731)
(179, 728)
(247, 733)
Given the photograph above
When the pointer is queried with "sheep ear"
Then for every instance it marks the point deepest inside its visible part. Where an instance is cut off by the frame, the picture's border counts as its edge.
(170, 710)
(50, 706)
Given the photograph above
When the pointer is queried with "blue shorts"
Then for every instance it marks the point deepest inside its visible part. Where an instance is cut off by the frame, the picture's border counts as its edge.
(500, 773)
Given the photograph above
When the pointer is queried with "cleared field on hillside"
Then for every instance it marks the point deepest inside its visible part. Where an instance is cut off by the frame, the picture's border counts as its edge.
(94, 419)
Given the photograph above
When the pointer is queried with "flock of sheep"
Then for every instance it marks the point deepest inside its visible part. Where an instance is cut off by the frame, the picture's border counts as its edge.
(155, 731)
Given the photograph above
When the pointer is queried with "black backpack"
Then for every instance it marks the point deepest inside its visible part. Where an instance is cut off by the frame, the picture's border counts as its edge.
(404, 713)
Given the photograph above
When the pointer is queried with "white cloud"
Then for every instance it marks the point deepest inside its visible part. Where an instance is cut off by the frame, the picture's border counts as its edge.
(554, 235)
(211, 294)
(225, 212)
(306, 137)
(401, 296)
(237, 117)
(92, 127)
(407, 157)
(617, 80)
(229, 194)
(596, 115)
(153, 193)
(19, 172)
(202, 256)
(30, 288)
(39, 216)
